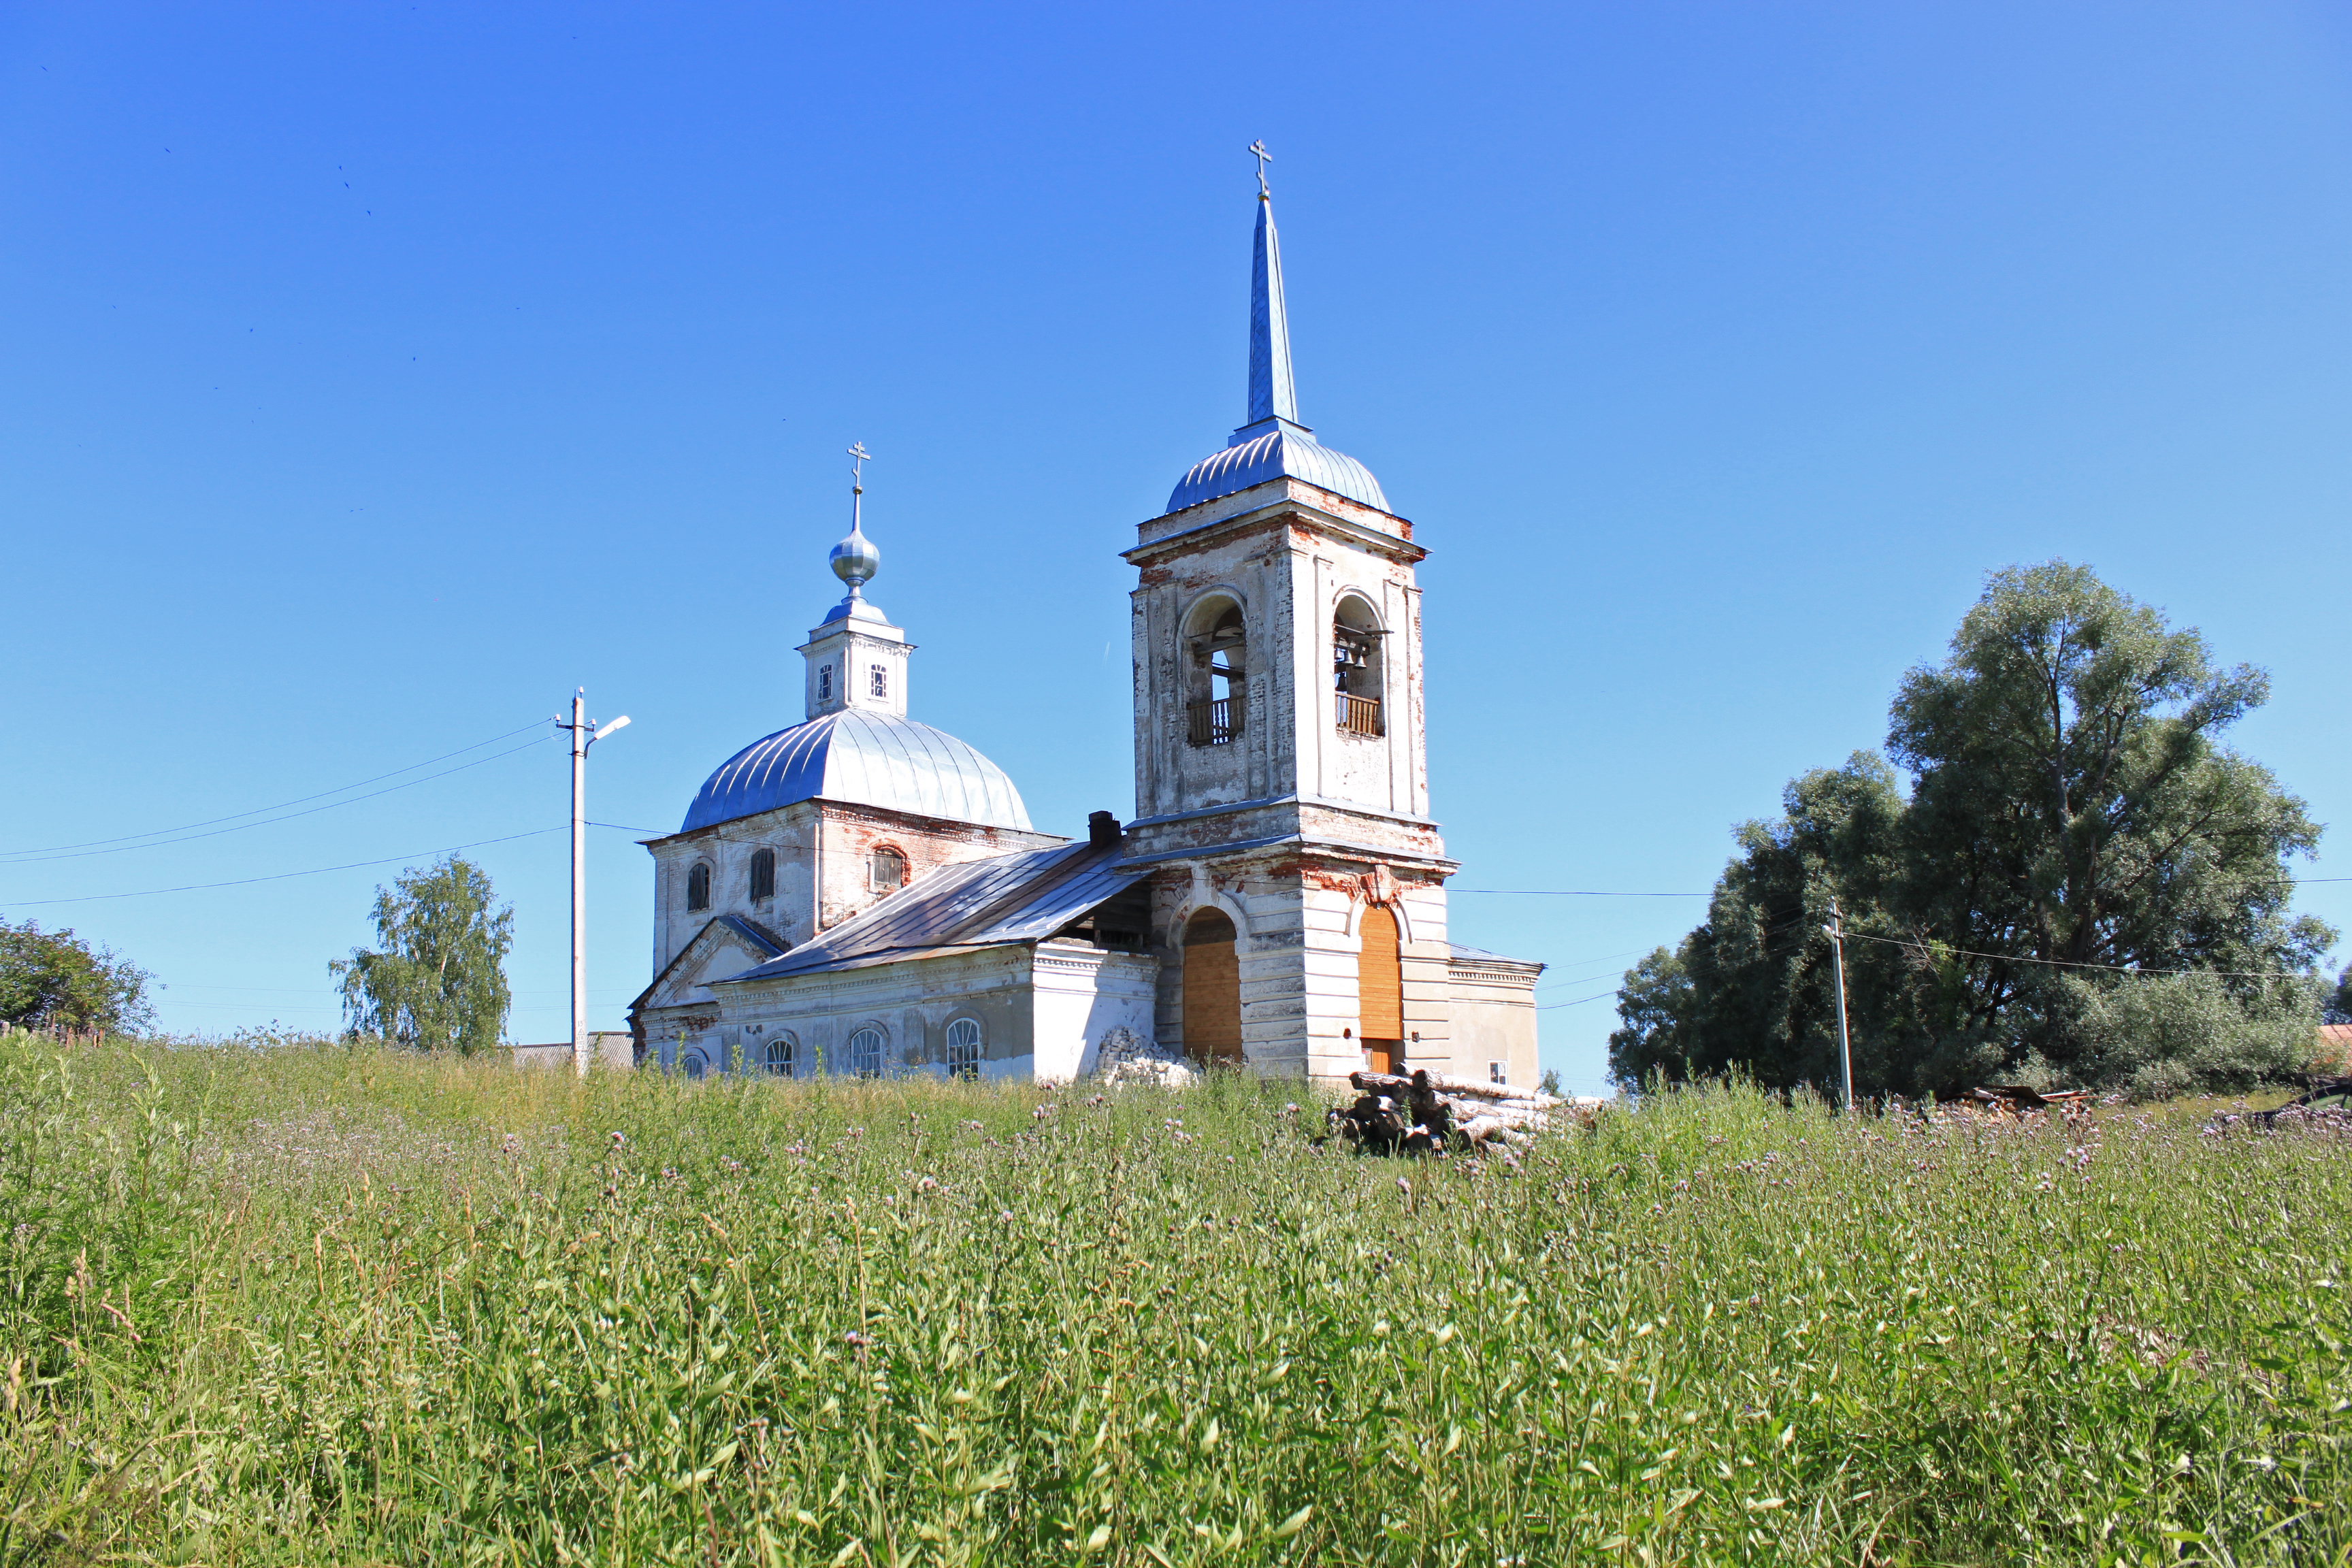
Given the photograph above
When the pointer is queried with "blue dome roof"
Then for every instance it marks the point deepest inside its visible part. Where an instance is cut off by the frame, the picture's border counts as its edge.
(1286, 450)
(863, 759)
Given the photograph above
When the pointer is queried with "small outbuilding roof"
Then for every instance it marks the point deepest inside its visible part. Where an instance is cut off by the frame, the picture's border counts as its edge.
(1000, 901)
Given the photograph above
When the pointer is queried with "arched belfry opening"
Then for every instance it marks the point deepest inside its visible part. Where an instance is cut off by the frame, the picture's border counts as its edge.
(1218, 646)
(1357, 671)
(1380, 989)
(1213, 990)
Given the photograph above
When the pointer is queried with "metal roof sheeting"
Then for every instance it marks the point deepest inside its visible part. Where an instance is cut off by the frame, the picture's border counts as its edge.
(863, 759)
(1278, 453)
(1003, 900)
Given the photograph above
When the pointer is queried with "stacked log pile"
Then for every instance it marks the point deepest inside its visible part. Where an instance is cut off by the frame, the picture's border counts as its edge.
(1396, 1113)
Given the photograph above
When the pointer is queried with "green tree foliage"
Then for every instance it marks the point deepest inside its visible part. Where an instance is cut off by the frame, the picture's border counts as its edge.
(54, 979)
(439, 983)
(2071, 817)
(2339, 1006)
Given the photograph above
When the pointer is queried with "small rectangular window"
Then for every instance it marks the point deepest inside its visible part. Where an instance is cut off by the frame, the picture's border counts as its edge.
(824, 683)
(1495, 1073)
(889, 871)
(881, 681)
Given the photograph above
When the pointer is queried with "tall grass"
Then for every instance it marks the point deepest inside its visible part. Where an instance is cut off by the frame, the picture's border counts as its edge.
(337, 1305)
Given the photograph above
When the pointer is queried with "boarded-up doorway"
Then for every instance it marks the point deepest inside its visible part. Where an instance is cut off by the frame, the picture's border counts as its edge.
(1380, 991)
(1213, 990)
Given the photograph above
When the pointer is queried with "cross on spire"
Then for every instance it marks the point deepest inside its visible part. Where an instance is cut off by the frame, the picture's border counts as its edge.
(1257, 150)
(857, 487)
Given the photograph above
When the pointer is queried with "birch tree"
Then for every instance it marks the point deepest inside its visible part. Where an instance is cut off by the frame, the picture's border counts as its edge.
(438, 980)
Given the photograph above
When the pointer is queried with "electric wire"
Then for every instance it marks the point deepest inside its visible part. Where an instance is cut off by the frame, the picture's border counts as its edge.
(2078, 964)
(282, 876)
(1575, 893)
(1581, 1001)
(266, 821)
(256, 811)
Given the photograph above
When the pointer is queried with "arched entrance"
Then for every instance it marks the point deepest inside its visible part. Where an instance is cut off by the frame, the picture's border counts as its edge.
(1380, 989)
(1213, 990)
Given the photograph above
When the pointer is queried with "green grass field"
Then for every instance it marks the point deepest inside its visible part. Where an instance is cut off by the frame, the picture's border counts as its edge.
(331, 1306)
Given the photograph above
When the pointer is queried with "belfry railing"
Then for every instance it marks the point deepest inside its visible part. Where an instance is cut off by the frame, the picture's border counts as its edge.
(1214, 724)
(1359, 715)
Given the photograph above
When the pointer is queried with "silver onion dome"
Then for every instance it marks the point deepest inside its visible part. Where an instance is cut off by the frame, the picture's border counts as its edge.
(856, 560)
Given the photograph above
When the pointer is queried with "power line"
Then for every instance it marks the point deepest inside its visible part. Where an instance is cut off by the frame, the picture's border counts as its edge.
(300, 800)
(2075, 963)
(1574, 893)
(1581, 1001)
(281, 877)
(1582, 963)
(656, 832)
(265, 822)
(1593, 893)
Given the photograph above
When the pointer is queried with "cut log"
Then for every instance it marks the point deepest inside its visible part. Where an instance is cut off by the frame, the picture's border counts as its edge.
(1480, 1089)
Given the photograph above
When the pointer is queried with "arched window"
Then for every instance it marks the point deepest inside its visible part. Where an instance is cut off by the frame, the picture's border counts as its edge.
(963, 1048)
(763, 874)
(1356, 669)
(866, 1053)
(783, 1053)
(697, 887)
(694, 1064)
(1219, 672)
(1213, 990)
(889, 869)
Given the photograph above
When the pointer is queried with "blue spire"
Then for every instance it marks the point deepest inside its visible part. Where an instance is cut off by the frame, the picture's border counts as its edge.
(1273, 443)
(1272, 393)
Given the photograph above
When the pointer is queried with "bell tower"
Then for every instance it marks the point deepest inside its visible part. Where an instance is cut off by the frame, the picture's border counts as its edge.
(1281, 778)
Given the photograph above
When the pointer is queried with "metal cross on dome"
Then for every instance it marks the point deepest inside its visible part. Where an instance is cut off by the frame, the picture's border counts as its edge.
(857, 470)
(1257, 150)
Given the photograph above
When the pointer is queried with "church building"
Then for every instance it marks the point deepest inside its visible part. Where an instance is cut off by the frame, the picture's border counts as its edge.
(861, 893)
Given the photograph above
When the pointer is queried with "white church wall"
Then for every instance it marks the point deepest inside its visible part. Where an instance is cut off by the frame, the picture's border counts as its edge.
(727, 850)
(1082, 994)
(1495, 1017)
(820, 846)
(911, 1002)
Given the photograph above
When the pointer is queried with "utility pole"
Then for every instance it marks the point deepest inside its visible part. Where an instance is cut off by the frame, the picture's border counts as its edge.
(585, 734)
(1836, 928)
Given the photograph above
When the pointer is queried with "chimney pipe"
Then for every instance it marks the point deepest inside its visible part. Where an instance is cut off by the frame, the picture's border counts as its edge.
(1102, 830)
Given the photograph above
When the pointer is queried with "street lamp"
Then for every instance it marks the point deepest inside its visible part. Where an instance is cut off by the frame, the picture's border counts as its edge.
(585, 733)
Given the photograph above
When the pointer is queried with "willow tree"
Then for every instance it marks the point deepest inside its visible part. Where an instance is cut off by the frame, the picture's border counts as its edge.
(438, 981)
(2083, 884)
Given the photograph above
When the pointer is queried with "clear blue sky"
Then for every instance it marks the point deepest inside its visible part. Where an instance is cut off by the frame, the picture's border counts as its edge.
(374, 374)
